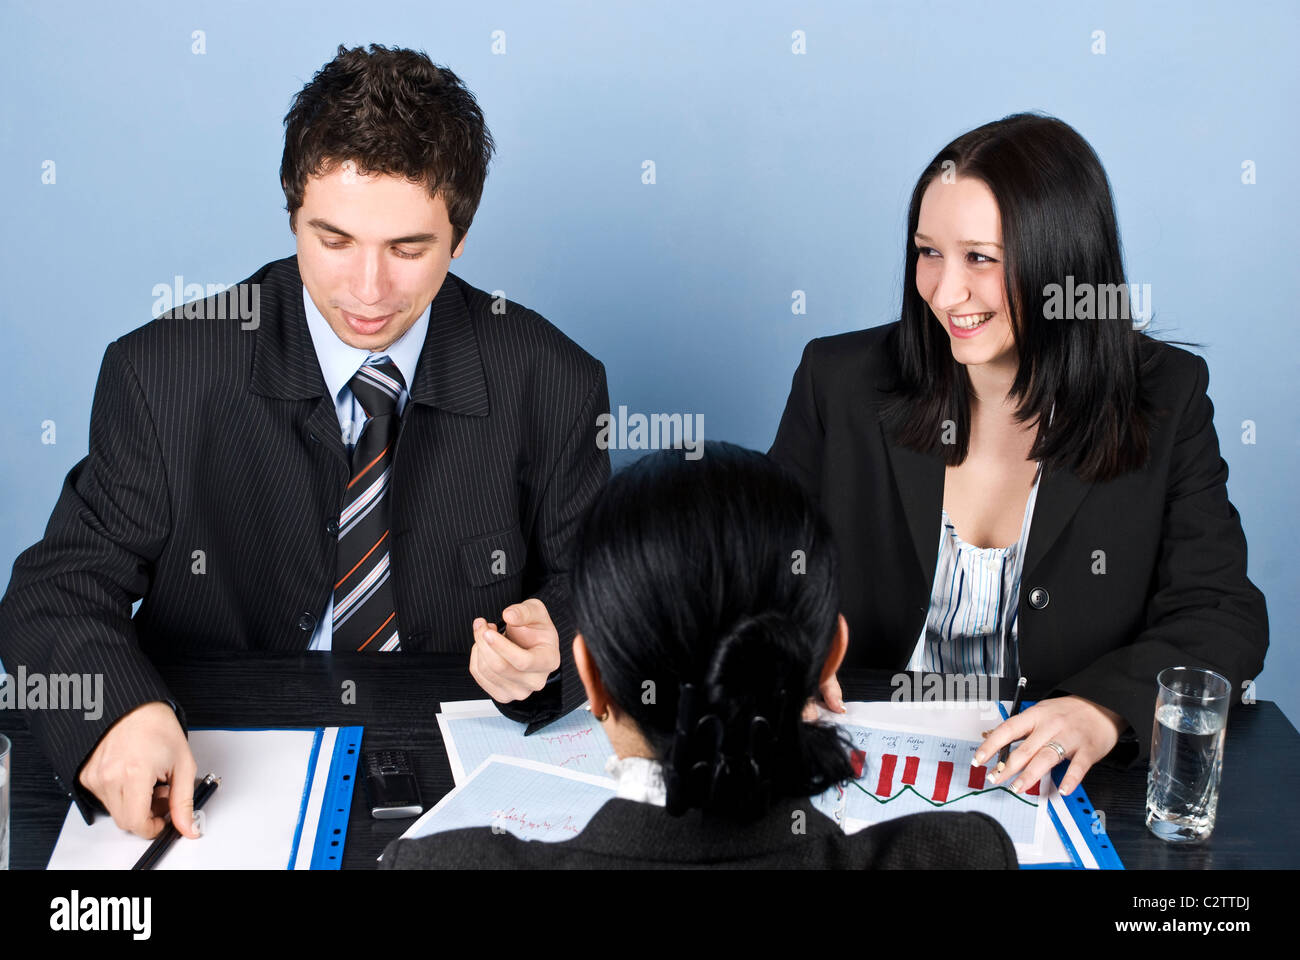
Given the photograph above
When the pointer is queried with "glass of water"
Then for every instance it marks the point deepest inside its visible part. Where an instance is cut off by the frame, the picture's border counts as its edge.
(1186, 753)
(4, 802)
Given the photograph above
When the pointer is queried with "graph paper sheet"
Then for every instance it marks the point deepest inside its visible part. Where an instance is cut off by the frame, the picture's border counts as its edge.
(531, 800)
(473, 730)
(912, 758)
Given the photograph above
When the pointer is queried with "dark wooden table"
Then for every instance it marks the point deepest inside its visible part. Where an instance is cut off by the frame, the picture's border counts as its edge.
(396, 699)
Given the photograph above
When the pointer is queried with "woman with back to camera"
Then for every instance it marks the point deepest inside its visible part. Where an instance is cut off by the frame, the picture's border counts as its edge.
(684, 586)
(1022, 486)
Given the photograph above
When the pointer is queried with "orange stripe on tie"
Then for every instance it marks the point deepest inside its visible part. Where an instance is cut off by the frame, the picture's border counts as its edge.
(361, 561)
(376, 633)
(367, 467)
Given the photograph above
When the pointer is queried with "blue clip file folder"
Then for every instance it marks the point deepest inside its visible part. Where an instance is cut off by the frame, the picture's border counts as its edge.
(1085, 819)
(283, 802)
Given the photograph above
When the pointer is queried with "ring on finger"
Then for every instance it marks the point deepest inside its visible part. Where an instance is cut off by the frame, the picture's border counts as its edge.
(1060, 750)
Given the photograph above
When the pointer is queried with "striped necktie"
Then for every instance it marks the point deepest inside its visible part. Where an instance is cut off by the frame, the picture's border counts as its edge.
(365, 615)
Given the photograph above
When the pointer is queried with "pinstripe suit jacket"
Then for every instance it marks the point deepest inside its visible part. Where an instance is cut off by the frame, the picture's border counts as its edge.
(213, 482)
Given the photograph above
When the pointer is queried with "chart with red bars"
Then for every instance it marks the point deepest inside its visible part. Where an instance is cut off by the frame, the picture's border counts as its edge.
(897, 773)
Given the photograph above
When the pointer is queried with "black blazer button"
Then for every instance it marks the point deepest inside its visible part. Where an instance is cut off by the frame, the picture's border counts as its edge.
(306, 623)
(1039, 598)
(332, 527)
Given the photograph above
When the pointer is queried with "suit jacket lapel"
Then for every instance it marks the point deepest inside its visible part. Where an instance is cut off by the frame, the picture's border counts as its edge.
(450, 373)
(1059, 494)
(920, 486)
(284, 359)
(285, 366)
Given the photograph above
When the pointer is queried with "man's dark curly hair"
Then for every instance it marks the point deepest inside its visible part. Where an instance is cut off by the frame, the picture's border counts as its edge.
(391, 112)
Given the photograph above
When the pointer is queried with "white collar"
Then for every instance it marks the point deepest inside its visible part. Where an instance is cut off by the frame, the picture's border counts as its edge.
(639, 778)
(340, 362)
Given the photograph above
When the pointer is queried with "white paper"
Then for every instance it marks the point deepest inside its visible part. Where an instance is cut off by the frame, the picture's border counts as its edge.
(249, 823)
(531, 800)
(316, 800)
(469, 742)
(964, 720)
(473, 730)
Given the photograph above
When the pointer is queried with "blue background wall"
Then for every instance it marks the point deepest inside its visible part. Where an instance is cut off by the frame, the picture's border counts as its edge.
(775, 172)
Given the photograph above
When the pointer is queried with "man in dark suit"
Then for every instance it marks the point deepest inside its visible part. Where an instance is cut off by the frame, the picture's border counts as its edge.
(352, 450)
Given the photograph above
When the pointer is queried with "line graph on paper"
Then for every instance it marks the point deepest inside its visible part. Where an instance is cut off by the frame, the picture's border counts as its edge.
(897, 773)
(575, 742)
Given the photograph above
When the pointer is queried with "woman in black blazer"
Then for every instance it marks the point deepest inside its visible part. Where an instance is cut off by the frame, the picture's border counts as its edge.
(702, 643)
(923, 440)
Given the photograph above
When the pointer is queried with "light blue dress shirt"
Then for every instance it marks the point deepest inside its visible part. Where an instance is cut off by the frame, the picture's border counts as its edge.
(339, 364)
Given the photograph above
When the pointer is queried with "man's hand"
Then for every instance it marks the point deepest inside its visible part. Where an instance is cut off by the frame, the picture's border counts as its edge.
(142, 769)
(516, 665)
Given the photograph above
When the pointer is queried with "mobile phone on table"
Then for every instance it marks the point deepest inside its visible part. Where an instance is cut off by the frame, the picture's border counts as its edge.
(391, 788)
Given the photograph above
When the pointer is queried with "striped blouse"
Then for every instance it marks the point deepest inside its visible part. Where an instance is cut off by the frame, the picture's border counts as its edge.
(973, 602)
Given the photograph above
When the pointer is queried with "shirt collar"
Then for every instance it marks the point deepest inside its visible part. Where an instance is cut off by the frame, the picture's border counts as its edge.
(638, 778)
(340, 362)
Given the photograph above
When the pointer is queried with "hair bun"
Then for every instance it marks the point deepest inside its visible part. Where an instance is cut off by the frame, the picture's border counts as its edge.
(727, 730)
(751, 663)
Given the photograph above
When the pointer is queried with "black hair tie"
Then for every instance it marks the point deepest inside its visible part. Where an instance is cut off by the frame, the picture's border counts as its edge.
(708, 770)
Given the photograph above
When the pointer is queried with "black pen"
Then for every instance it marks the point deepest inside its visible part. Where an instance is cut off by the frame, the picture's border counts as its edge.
(170, 834)
(1015, 708)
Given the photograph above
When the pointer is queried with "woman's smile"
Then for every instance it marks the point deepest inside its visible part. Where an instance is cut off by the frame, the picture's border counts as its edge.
(968, 324)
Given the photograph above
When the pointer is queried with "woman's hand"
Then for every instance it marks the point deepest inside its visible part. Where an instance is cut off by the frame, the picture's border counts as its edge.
(1087, 731)
(831, 698)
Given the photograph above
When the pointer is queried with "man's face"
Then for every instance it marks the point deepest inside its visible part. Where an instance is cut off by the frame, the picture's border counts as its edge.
(373, 251)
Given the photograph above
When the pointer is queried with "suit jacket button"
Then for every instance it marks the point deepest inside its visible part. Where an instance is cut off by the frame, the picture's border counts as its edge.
(306, 623)
(332, 527)
(1039, 598)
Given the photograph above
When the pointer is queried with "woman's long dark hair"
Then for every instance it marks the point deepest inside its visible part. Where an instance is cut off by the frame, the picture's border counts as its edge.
(1058, 222)
(707, 594)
